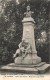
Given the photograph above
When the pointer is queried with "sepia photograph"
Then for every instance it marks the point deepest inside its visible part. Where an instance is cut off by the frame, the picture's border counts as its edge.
(24, 37)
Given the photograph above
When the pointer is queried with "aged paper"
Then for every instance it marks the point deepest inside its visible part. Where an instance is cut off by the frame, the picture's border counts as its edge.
(25, 77)
(24, 40)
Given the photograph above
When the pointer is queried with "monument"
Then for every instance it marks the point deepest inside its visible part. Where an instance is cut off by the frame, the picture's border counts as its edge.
(27, 61)
(29, 40)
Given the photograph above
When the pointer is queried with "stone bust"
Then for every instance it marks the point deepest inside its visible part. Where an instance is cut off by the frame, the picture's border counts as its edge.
(28, 13)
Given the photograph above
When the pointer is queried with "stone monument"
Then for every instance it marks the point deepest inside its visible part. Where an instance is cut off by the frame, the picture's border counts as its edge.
(27, 61)
(28, 37)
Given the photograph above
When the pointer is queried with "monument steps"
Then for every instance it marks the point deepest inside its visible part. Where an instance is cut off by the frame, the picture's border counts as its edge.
(19, 69)
(30, 69)
(23, 65)
(44, 68)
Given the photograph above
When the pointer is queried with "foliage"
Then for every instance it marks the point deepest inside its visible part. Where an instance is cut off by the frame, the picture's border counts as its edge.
(11, 28)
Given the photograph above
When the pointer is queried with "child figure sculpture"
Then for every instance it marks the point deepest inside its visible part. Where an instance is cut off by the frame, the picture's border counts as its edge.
(24, 49)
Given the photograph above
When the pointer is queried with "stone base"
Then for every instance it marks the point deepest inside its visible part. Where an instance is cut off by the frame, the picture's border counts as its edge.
(29, 59)
(36, 69)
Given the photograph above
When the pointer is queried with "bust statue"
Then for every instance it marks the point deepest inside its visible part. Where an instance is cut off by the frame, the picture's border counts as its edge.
(28, 13)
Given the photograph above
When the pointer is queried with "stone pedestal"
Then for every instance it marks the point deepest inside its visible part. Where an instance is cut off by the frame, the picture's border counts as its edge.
(28, 35)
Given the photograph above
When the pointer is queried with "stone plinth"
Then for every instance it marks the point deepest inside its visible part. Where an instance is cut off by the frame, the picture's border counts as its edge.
(28, 32)
(28, 35)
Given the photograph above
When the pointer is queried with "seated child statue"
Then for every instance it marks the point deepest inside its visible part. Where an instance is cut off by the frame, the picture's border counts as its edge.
(25, 48)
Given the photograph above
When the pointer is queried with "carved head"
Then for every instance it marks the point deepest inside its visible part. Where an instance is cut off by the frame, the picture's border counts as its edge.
(28, 8)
